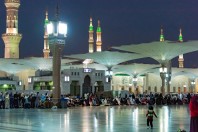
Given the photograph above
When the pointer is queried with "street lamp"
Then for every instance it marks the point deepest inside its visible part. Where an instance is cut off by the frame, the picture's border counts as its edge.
(57, 31)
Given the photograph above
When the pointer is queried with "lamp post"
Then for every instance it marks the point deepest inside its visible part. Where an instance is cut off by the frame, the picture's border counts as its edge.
(57, 31)
(168, 75)
(168, 81)
(163, 71)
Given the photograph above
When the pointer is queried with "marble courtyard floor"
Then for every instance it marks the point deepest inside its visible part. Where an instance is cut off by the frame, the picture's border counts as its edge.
(94, 119)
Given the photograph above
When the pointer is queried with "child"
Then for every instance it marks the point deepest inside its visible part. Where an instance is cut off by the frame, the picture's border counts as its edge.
(149, 116)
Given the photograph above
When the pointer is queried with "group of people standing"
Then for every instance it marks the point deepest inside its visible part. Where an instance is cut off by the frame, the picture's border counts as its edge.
(22, 100)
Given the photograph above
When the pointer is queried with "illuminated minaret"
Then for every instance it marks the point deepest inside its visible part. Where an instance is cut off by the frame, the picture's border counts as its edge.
(91, 39)
(46, 49)
(181, 58)
(162, 35)
(99, 38)
(12, 38)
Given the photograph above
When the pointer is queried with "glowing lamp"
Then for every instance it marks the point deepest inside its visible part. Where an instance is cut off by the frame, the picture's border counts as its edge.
(56, 28)
(67, 78)
(57, 31)
(109, 73)
(62, 28)
(50, 28)
(163, 70)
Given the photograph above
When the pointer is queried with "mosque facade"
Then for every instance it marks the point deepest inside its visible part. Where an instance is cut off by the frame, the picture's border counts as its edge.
(76, 79)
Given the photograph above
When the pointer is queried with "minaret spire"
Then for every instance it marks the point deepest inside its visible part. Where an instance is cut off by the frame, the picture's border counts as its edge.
(57, 12)
(46, 50)
(99, 38)
(91, 39)
(162, 35)
(181, 57)
(180, 35)
(46, 15)
(12, 38)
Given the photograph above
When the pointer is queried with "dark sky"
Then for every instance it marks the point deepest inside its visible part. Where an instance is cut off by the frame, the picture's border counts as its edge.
(122, 21)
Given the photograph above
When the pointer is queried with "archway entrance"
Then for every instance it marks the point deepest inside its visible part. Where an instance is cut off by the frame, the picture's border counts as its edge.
(75, 88)
(87, 88)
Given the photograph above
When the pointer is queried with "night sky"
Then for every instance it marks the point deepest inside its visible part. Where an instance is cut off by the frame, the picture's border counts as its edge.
(122, 21)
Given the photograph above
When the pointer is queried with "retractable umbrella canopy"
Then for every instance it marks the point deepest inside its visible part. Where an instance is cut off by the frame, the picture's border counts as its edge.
(161, 51)
(135, 69)
(108, 58)
(44, 63)
(13, 66)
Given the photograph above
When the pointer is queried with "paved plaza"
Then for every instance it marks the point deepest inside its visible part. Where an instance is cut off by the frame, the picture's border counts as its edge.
(94, 119)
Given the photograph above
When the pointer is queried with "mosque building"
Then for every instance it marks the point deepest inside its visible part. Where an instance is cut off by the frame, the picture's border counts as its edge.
(35, 73)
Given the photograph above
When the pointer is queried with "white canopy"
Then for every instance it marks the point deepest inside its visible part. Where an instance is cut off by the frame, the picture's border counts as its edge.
(161, 51)
(108, 58)
(135, 69)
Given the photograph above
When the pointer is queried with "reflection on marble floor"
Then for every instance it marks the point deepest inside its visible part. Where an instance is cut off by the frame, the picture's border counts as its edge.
(94, 119)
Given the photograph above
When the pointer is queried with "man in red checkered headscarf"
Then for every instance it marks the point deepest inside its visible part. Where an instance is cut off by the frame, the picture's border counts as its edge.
(194, 114)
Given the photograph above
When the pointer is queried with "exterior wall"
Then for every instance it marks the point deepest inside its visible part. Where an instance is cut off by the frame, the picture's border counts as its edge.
(121, 82)
(23, 76)
(14, 80)
(196, 86)
(79, 75)
(37, 79)
(125, 83)
(153, 80)
(180, 82)
(149, 83)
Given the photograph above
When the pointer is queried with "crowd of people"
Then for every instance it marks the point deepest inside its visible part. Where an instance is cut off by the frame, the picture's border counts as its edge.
(8, 100)
(45, 100)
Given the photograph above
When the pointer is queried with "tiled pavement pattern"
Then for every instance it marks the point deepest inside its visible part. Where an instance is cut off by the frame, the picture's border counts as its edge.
(94, 119)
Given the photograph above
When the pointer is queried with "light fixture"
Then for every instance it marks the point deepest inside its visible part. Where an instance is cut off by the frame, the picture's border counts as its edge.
(107, 79)
(57, 28)
(20, 83)
(135, 79)
(67, 78)
(29, 80)
(109, 73)
(163, 70)
(193, 82)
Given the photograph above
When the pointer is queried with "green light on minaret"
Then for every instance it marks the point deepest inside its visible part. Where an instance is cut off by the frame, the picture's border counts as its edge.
(91, 28)
(99, 28)
(161, 36)
(46, 22)
(180, 36)
(46, 18)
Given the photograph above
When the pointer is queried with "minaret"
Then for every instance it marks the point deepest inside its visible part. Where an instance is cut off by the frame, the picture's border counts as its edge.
(99, 38)
(162, 35)
(12, 38)
(46, 49)
(181, 58)
(91, 39)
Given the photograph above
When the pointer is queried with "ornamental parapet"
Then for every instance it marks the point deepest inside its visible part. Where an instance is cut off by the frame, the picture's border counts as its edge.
(12, 1)
(11, 34)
